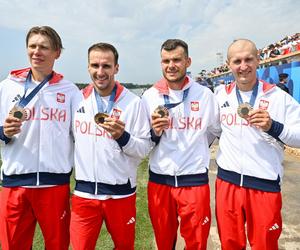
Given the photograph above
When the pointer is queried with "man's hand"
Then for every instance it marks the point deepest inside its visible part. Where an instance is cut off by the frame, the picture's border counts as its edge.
(158, 123)
(260, 119)
(114, 126)
(11, 126)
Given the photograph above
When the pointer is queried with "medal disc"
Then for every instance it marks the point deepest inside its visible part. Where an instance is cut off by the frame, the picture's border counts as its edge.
(244, 109)
(100, 118)
(19, 113)
(162, 111)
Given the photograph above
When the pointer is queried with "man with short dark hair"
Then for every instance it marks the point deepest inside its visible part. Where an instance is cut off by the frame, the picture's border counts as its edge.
(35, 126)
(111, 138)
(180, 111)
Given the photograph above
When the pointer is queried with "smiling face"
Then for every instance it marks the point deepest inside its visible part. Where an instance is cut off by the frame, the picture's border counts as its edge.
(174, 64)
(243, 61)
(41, 55)
(102, 69)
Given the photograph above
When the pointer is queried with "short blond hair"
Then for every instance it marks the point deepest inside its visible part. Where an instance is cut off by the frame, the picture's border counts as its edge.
(242, 41)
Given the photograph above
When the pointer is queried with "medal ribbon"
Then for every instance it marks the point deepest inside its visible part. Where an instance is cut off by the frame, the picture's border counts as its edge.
(25, 100)
(110, 102)
(252, 98)
(169, 105)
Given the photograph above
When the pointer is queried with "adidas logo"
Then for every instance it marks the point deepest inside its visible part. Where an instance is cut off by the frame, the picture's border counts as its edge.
(274, 227)
(17, 98)
(81, 110)
(225, 104)
(63, 215)
(132, 220)
(206, 220)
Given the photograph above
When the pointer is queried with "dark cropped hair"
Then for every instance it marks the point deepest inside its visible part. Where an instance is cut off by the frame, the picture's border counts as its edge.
(49, 32)
(105, 47)
(172, 44)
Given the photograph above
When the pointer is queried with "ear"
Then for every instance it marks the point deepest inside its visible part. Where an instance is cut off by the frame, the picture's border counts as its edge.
(258, 57)
(116, 68)
(58, 52)
(189, 62)
(228, 64)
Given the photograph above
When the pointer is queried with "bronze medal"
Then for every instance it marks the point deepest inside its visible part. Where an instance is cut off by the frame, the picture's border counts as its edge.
(162, 111)
(100, 118)
(19, 113)
(244, 109)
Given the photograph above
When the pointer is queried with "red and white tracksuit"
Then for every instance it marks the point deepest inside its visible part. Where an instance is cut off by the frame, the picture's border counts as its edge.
(250, 167)
(179, 164)
(37, 163)
(106, 169)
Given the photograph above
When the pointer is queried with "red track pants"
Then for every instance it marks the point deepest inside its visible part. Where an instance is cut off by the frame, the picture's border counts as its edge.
(191, 204)
(21, 208)
(87, 217)
(236, 206)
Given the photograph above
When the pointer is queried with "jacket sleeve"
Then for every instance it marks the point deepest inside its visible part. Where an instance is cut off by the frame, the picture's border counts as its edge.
(77, 98)
(3, 139)
(137, 131)
(290, 134)
(214, 128)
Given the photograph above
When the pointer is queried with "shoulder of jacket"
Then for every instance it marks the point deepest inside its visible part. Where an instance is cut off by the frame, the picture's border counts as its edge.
(149, 93)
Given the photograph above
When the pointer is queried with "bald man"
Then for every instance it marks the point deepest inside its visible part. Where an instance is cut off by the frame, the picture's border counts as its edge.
(257, 119)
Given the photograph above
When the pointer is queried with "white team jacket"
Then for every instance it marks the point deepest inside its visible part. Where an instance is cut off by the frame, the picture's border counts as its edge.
(183, 147)
(42, 154)
(100, 163)
(248, 151)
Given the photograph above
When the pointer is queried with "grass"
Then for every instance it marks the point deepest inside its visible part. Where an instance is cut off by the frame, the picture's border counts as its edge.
(144, 235)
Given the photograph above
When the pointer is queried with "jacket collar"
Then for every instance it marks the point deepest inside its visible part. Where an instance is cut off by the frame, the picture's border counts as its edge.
(266, 87)
(163, 88)
(21, 75)
(87, 91)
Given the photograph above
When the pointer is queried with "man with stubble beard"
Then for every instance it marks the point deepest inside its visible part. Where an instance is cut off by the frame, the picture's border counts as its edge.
(111, 138)
(180, 112)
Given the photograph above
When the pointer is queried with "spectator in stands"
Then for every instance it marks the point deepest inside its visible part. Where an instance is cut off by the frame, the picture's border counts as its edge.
(274, 51)
(265, 53)
(283, 81)
(285, 46)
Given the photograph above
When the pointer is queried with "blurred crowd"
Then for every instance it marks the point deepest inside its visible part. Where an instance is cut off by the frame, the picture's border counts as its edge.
(287, 45)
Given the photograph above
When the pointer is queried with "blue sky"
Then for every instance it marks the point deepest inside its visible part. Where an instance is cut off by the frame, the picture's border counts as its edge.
(138, 28)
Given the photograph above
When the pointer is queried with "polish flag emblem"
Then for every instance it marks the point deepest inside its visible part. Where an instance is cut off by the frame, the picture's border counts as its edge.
(263, 104)
(195, 106)
(60, 97)
(116, 113)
